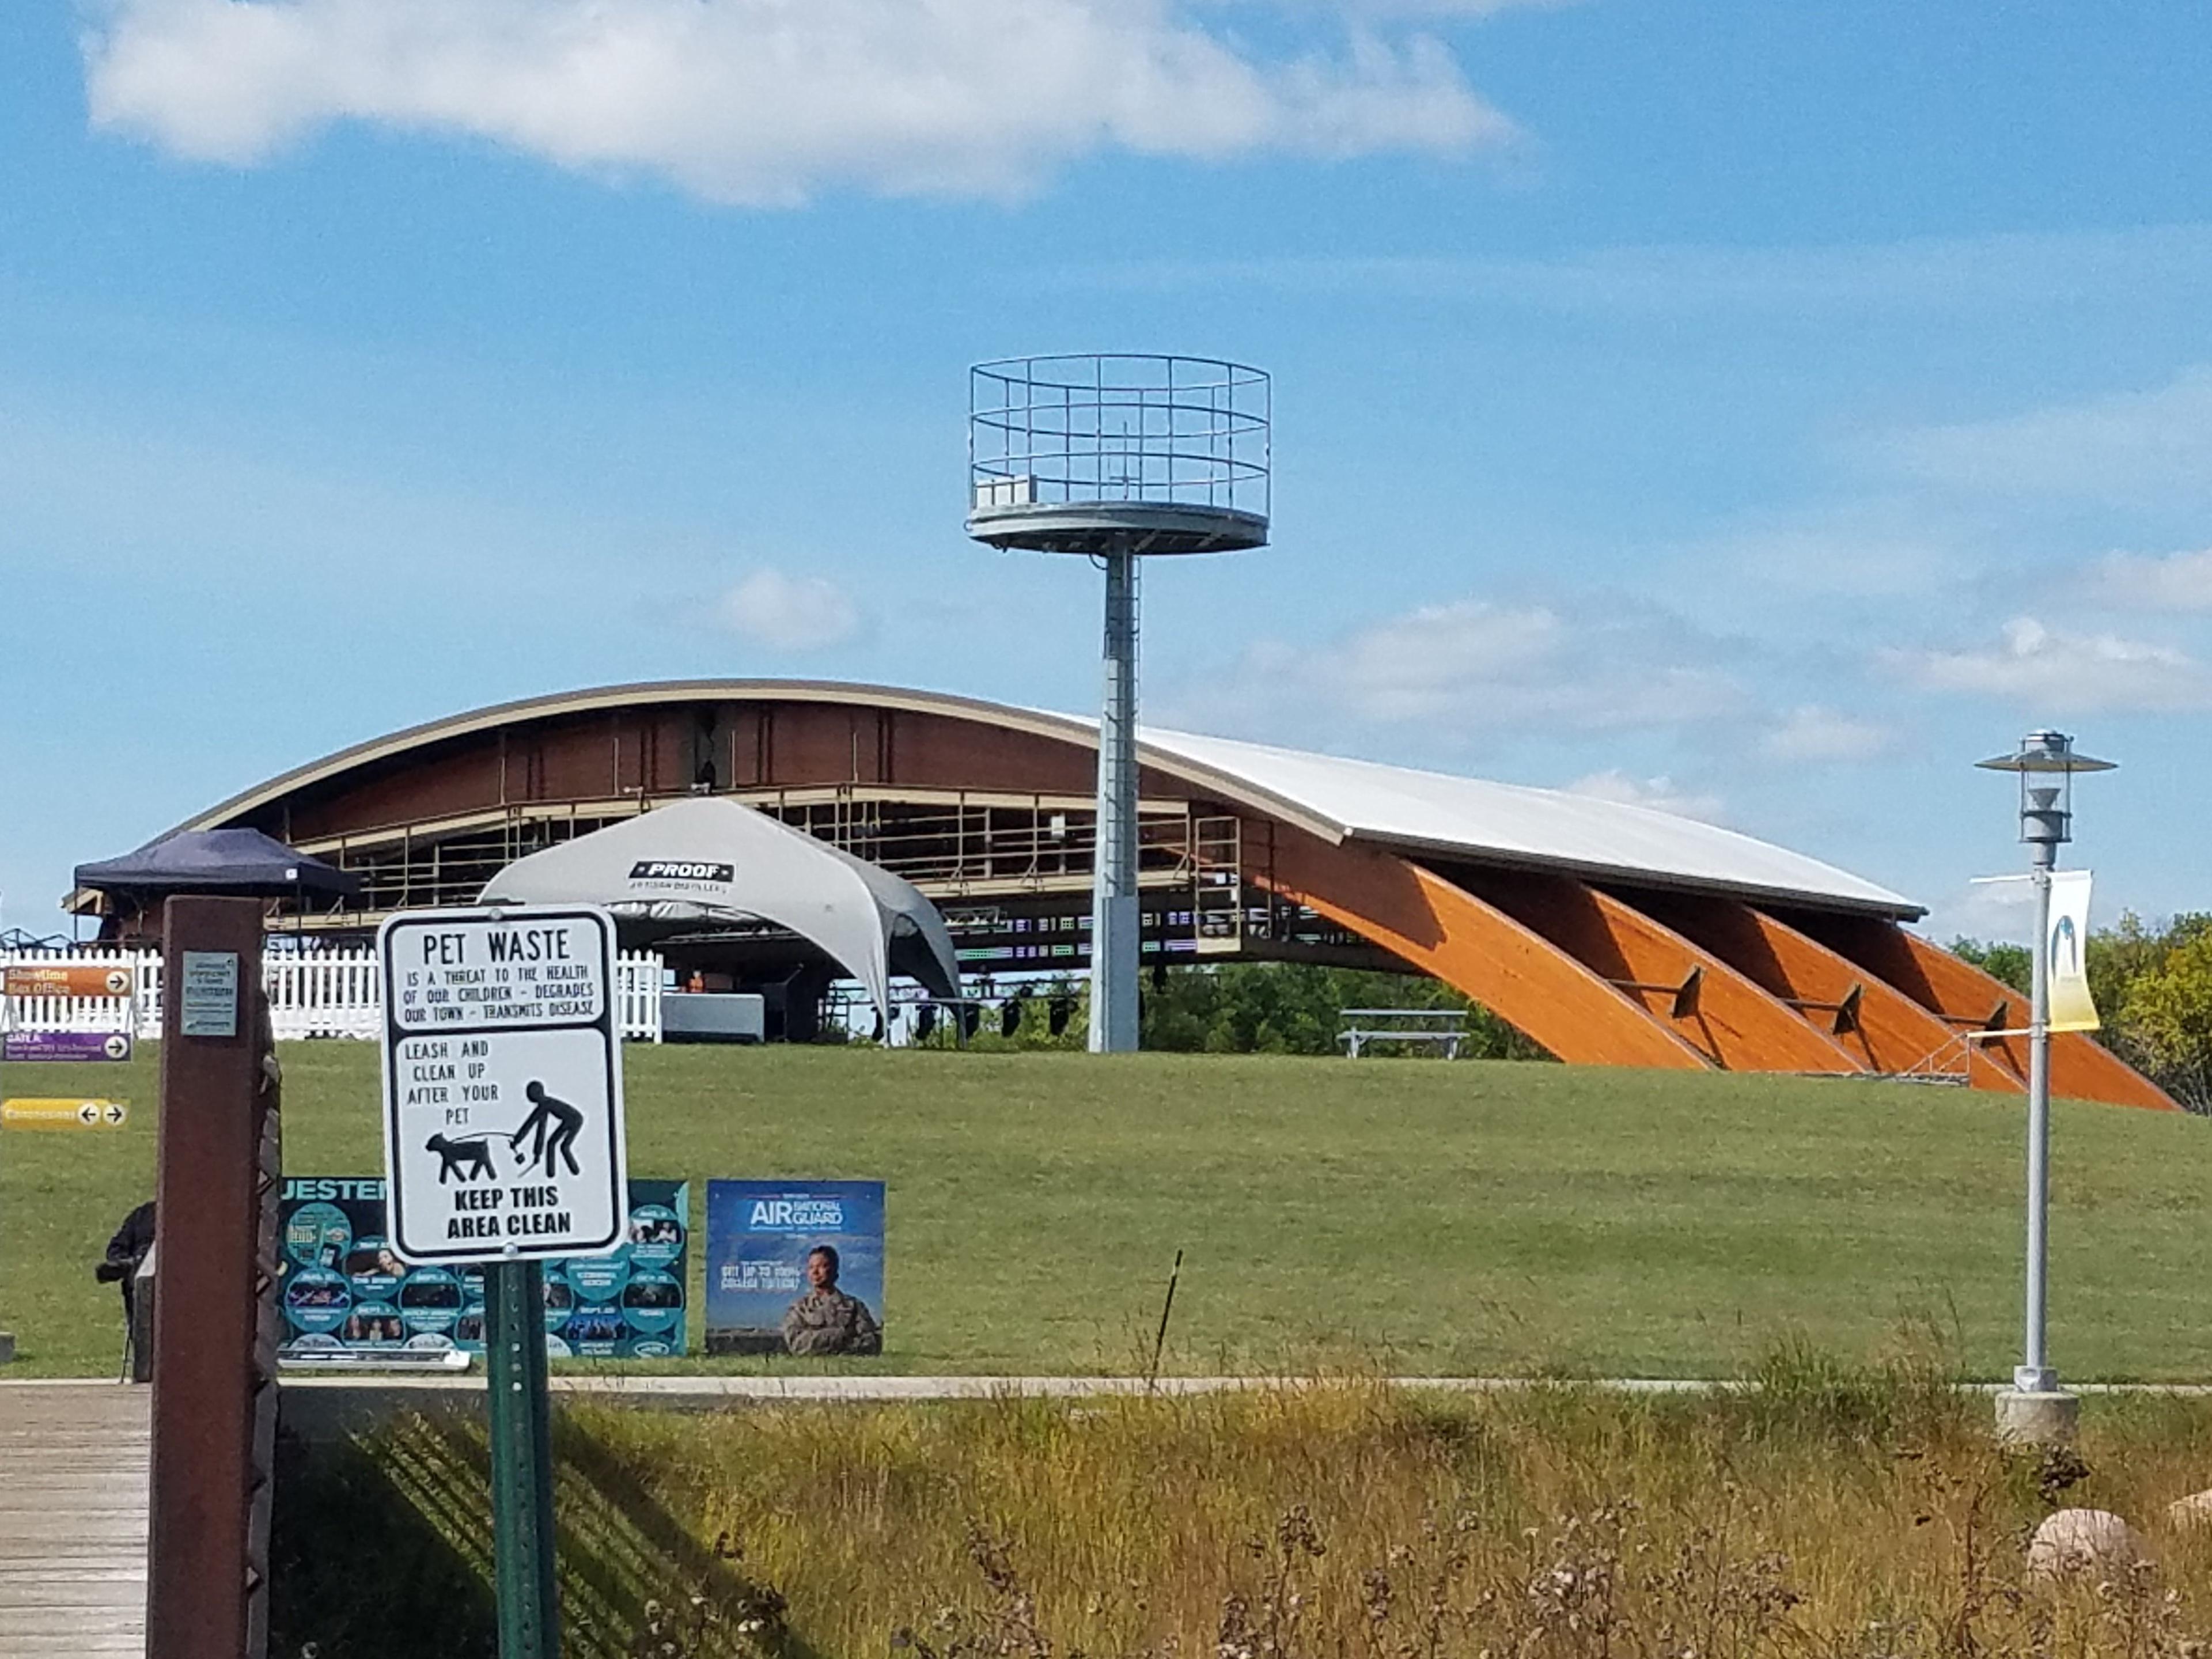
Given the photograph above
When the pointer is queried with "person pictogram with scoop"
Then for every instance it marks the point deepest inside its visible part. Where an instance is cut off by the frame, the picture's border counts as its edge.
(551, 1129)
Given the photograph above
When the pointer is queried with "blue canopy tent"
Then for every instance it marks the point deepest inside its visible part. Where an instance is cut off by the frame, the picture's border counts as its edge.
(227, 863)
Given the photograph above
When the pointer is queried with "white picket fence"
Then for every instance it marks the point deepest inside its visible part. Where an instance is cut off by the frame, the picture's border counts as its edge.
(312, 994)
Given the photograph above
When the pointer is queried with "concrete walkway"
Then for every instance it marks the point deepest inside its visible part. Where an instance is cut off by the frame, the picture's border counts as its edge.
(73, 1460)
(755, 1387)
(325, 1407)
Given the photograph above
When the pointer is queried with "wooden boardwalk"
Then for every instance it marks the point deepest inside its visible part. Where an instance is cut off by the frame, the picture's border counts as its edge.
(72, 1519)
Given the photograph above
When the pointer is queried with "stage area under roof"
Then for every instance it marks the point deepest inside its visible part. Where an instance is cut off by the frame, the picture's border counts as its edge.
(1609, 933)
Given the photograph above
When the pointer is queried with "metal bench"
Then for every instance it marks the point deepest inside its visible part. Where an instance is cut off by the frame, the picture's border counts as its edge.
(1443, 1028)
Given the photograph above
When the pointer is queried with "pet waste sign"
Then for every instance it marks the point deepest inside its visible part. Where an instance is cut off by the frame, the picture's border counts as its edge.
(502, 1085)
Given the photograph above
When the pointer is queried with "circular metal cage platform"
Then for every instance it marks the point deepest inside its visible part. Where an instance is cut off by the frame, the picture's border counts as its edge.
(1110, 453)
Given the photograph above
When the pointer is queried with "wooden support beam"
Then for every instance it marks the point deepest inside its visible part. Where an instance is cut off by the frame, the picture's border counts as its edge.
(1515, 972)
(1888, 1030)
(1727, 1016)
(1963, 995)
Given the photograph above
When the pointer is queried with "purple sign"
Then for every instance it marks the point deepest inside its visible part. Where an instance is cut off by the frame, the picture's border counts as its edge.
(65, 1045)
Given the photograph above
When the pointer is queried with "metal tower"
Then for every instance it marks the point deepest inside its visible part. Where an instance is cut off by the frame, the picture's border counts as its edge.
(1118, 456)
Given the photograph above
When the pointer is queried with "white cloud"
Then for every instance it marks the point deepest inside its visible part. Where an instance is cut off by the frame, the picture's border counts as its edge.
(1987, 910)
(1850, 554)
(2176, 582)
(1658, 793)
(2129, 448)
(1473, 663)
(790, 613)
(1810, 732)
(2066, 673)
(762, 102)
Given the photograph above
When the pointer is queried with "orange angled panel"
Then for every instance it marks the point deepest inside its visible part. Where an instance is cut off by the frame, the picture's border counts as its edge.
(1516, 973)
(2080, 1066)
(1885, 1030)
(1715, 1008)
(1969, 998)
(1957, 993)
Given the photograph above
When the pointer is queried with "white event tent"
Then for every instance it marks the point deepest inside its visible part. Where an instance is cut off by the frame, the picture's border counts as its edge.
(700, 862)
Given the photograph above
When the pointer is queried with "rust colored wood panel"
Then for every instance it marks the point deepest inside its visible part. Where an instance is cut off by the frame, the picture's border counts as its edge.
(868, 743)
(937, 752)
(749, 728)
(464, 778)
(815, 745)
(1967, 998)
(1719, 1012)
(575, 760)
(669, 735)
(1477, 950)
(1887, 1030)
(626, 736)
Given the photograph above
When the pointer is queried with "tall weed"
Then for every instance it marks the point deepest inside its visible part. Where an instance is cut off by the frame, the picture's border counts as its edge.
(1831, 1512)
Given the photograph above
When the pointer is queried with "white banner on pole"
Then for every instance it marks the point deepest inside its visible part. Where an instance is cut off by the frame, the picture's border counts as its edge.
(2066, 953)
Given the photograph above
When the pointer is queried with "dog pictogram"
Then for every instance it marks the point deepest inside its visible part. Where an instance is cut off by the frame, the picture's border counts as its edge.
(464, 1160)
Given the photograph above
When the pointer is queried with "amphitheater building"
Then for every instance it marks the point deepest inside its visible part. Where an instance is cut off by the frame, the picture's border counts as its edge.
(1610, 934)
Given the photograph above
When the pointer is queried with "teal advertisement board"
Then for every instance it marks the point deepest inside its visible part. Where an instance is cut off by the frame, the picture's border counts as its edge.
(343, 1288)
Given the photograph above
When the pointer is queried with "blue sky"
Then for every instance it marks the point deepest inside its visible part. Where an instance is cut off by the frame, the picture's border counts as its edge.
(1764, 410)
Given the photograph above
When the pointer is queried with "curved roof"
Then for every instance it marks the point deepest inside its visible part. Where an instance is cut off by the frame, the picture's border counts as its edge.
(1447, 814)
(1439, 813)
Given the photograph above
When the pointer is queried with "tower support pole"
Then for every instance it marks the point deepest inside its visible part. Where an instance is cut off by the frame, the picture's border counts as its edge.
(1116, 921)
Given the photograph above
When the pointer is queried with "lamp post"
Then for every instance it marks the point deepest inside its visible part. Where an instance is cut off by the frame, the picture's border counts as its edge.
(2035, 1408)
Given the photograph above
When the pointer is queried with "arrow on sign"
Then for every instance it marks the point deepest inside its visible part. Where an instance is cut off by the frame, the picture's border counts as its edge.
(63, 1114)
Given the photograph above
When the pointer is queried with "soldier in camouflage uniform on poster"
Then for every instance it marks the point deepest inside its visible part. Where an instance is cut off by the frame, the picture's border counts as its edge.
(826, 1321)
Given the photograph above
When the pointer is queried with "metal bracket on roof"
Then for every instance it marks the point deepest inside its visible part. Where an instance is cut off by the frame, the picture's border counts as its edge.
(1685, 994)
(1846, 1012)
(1993, 1024)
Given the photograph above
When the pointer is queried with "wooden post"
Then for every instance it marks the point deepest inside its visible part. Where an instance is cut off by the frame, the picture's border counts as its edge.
(212, 1399)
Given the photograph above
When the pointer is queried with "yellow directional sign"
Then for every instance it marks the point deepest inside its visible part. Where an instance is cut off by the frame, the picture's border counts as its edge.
(63, 1114)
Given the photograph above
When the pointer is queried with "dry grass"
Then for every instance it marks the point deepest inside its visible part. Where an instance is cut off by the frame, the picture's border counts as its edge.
(1831, 1513)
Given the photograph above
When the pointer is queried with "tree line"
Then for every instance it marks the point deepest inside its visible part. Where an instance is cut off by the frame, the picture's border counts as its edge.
(1236, 1008)
(2153, 986)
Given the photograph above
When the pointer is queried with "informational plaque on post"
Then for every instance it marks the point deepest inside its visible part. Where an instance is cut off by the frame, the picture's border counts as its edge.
(503, 1135)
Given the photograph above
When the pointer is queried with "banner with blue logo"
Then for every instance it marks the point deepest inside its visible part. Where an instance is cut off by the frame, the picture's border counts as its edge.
(795, 1266)
(342, 1287)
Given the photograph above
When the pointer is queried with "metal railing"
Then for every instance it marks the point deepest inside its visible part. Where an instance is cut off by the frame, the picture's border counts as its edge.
(950, 849)
(1111, 427)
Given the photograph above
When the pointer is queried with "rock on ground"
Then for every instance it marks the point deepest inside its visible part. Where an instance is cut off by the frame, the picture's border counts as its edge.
(2083, 1540)
(2194, 1510)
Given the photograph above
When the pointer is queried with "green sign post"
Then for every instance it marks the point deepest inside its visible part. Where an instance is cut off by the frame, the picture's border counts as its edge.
(521, 1460)
(503, 1145)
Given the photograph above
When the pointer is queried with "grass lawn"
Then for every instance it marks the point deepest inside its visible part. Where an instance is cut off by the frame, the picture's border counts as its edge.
(1416, 1215)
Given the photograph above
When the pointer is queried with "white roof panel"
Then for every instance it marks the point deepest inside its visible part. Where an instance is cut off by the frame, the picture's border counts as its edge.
(1443, 813)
